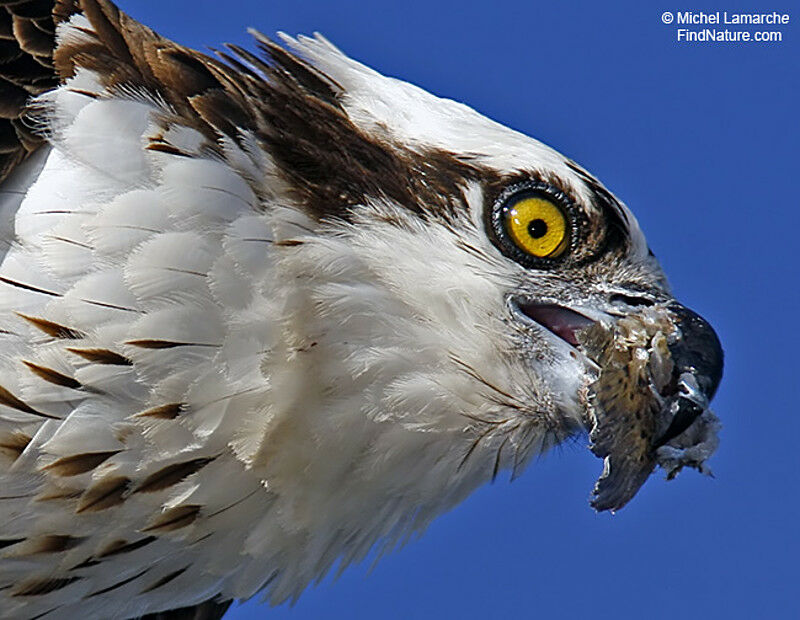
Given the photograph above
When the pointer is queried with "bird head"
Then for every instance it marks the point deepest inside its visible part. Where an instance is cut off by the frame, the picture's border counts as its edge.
(458, 289)
(322, 307)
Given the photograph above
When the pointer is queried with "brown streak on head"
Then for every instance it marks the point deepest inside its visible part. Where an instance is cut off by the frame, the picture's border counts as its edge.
(294, 110)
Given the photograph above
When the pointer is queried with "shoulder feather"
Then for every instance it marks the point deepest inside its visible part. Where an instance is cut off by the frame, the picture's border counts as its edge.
(27, 34)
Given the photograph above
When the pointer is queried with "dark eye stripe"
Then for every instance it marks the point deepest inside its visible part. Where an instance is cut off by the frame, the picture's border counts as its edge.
(617, 225)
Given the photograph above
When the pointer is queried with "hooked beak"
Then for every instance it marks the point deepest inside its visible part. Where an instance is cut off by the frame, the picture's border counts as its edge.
(659, 366)
(672, 380)
(698, 360)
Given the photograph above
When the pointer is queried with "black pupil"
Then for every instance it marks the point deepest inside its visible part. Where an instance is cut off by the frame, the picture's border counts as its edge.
(537, 228)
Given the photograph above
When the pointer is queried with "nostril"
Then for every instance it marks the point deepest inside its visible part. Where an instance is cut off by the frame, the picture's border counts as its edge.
(630, 300)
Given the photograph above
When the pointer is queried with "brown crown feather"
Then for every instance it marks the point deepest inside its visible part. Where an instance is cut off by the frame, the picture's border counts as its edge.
(292, 107)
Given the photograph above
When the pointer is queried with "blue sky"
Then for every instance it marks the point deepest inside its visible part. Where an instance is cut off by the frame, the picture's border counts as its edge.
(701, 141)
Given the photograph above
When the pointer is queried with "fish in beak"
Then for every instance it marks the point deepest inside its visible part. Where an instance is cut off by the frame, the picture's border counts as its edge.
(659, 368)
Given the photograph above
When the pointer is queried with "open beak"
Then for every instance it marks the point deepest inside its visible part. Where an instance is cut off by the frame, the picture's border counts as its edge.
(563, 322)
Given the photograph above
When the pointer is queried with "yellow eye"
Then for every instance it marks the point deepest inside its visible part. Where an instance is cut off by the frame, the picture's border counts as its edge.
(537, 226)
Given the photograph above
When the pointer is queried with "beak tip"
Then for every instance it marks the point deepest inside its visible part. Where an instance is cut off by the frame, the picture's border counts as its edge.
(635, 431)
(699, 350)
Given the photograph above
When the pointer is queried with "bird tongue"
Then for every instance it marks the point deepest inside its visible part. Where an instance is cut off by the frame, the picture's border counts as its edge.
(559, 320)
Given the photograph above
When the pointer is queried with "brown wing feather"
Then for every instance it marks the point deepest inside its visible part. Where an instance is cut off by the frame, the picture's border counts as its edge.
(27, 34)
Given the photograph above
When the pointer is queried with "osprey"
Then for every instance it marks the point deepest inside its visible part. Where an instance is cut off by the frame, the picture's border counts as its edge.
(261, 314)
